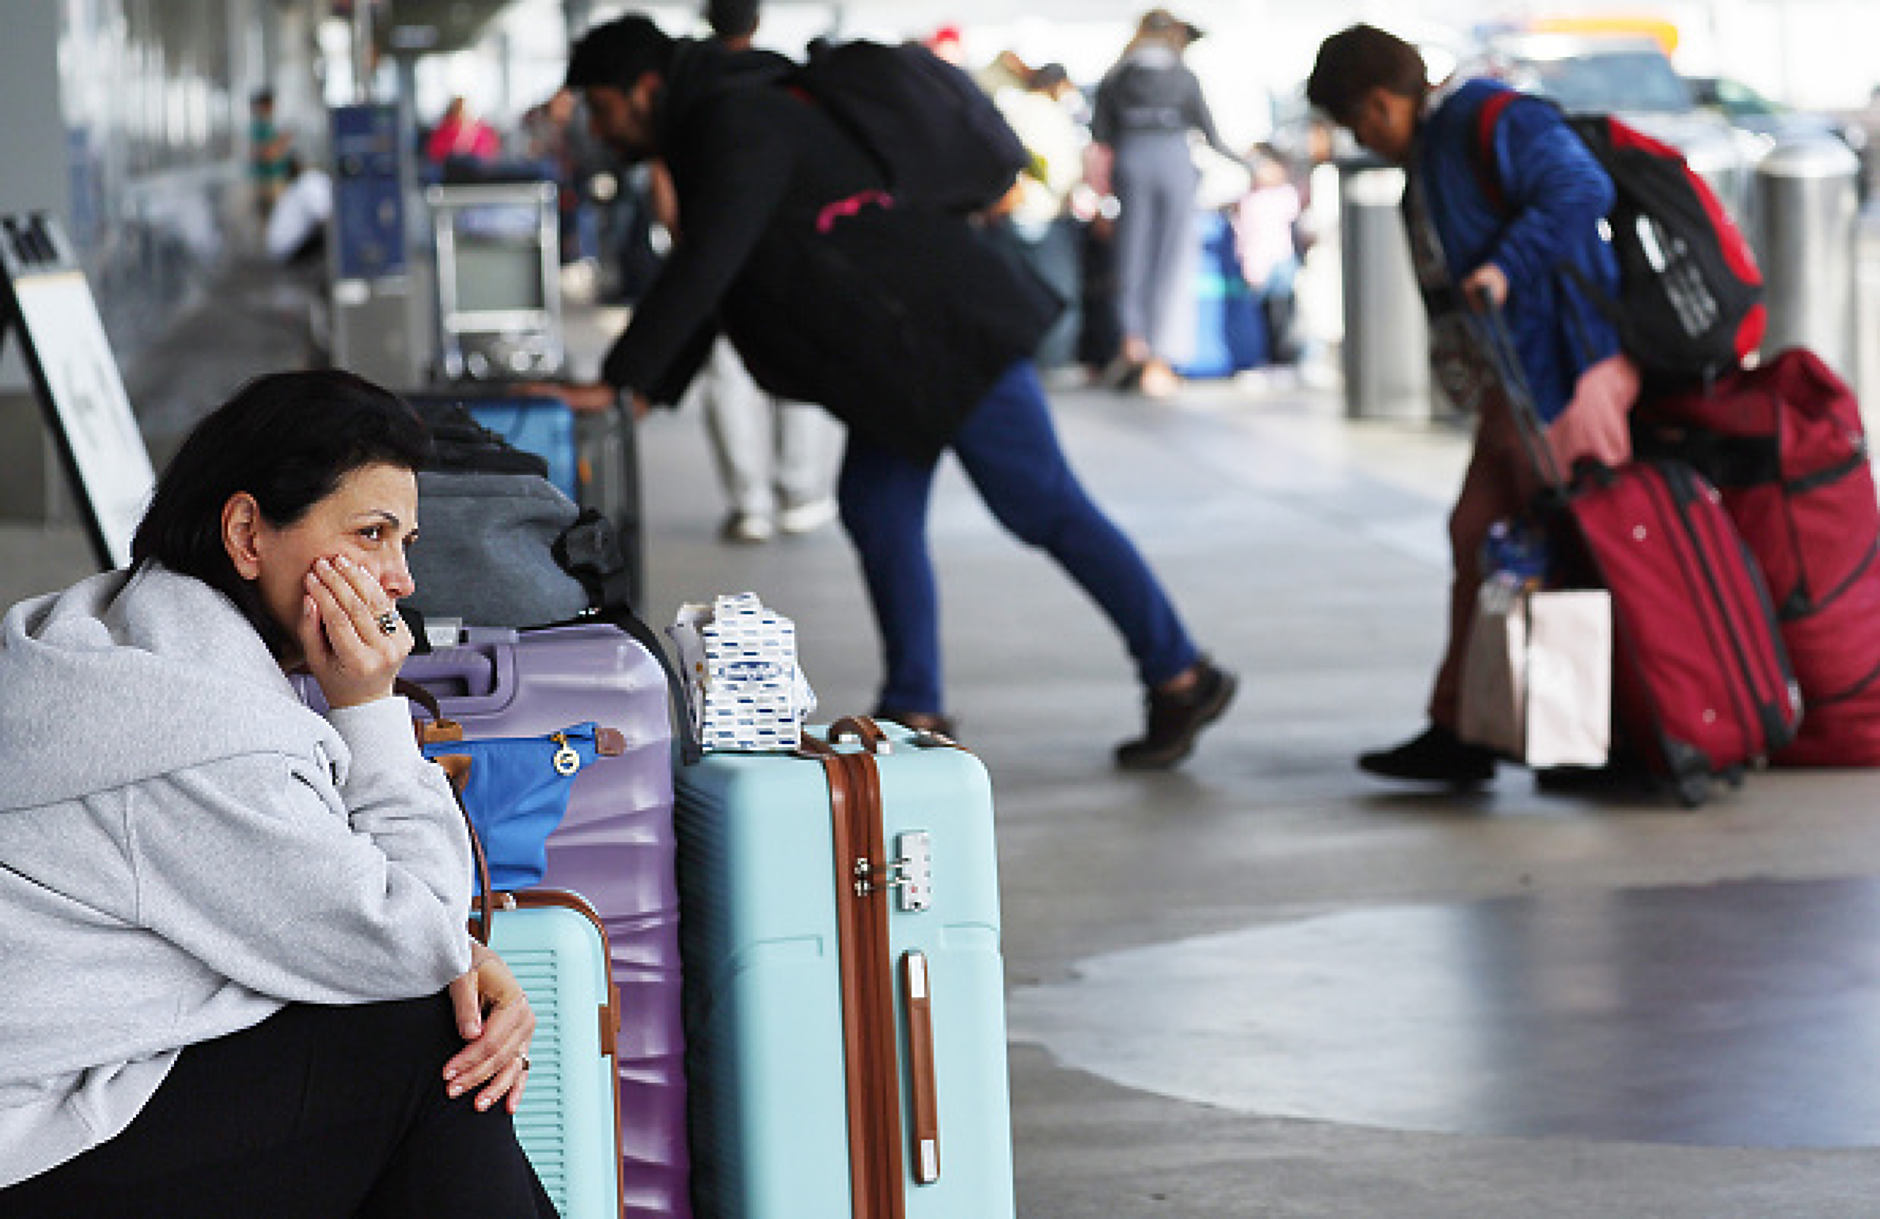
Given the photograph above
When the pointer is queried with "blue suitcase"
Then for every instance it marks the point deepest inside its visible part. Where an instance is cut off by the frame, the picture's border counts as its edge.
(568, 1122)
(542, 424)
(845, 1017)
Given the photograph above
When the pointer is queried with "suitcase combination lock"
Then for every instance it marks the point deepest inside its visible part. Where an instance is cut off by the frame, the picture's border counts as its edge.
(911, 872)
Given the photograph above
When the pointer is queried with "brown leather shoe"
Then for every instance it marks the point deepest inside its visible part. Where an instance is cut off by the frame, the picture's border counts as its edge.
(1175, 720)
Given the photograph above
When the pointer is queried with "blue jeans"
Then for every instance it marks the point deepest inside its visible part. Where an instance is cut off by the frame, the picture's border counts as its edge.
(1010, 451)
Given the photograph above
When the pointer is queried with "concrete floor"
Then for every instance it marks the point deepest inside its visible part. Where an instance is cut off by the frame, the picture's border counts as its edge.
(1264, 985)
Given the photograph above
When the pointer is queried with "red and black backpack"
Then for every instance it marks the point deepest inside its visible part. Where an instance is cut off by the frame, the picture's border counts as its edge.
(1690, 294)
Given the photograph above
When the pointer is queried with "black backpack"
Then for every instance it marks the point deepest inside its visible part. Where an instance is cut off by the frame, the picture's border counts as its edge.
(1690, 294)
(937, 137)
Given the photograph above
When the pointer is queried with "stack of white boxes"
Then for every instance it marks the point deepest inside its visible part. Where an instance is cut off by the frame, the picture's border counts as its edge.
(746, 691)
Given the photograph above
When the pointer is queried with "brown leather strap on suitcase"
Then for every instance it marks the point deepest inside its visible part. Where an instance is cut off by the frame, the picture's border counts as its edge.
(917, 1002)
(876, 1166)
(858, 728)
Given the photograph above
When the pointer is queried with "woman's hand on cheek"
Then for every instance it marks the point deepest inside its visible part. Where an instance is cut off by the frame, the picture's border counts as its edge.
(352, 658)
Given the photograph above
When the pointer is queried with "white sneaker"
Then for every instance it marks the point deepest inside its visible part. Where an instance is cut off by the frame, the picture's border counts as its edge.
(746, 528)
(807, 518)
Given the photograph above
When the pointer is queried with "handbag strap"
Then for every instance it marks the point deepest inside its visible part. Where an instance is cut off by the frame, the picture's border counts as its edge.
(456, 768)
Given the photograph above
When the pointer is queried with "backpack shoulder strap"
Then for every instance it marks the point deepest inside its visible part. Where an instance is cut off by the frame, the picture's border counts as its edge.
(1487, 172)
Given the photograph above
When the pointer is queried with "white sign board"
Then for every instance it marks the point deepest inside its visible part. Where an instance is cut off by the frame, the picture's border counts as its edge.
(67, 347)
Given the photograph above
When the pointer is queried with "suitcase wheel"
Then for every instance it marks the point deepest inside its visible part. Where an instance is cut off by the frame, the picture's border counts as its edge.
(1693, 790)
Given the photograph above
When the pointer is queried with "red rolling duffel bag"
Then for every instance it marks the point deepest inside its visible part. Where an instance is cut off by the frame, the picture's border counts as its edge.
(1700, 682)
(1784, 445)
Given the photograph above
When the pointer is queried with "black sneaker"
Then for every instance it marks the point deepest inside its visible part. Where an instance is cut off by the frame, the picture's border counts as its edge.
(1619, 777)
(1175, 720)
(1436, 756)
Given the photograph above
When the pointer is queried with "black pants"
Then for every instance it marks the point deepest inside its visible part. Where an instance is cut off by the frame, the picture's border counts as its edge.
(315, 1112)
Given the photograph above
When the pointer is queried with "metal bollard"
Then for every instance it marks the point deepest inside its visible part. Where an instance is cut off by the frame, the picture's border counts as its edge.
(1806, 207)
(1386, 349)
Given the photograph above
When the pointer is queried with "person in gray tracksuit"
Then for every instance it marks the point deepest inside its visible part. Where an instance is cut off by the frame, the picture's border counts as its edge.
(1145, 107)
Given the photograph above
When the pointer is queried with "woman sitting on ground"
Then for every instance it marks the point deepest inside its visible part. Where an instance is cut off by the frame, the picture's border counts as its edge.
(232, 932)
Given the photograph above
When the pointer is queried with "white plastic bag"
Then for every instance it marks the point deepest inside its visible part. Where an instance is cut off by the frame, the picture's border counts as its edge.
(1537, 674)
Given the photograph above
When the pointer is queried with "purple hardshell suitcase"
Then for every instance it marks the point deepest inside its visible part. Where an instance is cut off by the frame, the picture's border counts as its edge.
(615, 848)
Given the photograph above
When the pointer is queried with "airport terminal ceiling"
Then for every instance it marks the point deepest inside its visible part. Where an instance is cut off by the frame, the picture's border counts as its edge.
(434, 26)
(441, 26)
(1809, 53)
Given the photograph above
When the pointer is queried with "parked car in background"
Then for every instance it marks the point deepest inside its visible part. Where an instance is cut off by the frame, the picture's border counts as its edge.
(1631, 76)
(1774, 122)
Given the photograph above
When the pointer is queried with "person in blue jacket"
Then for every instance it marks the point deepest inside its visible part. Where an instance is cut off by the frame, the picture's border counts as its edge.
(1504, 215)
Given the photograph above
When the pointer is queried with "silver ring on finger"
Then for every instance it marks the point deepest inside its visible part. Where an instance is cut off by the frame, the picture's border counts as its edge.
(388, 622)
(524, 1060)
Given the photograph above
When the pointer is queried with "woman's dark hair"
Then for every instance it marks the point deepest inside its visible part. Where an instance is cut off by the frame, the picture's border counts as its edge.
(1354, 61)
(288, 439)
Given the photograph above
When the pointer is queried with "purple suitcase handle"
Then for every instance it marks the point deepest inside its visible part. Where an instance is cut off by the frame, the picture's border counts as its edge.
(471, 679)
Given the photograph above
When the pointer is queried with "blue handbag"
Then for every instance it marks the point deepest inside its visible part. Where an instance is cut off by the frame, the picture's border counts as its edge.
(517, 793)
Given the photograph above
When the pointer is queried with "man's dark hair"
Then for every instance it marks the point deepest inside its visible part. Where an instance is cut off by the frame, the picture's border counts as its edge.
(1354, 61)
(619, 53)
(287, 439)
(731, 18)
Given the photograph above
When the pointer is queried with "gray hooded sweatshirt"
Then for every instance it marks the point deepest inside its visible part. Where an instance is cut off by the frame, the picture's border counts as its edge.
(184, 848)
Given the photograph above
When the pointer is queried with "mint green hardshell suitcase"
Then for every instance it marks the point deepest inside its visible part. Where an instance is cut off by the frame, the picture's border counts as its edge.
(568, 1122)
(768, 1054)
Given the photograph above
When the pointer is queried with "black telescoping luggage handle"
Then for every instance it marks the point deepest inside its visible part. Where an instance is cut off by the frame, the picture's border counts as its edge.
(456, 769)
(1491, 326)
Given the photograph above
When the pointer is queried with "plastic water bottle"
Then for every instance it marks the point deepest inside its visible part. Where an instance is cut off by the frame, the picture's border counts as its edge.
(1518, 549)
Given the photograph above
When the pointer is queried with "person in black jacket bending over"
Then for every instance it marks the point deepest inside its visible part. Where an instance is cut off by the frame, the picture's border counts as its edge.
(897, 319)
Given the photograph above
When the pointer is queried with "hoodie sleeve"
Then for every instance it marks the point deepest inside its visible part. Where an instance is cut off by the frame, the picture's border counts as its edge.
(310, 882)
(1555, 188)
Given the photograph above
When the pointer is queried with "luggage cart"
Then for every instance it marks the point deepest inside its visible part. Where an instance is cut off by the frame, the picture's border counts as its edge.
(498, 279)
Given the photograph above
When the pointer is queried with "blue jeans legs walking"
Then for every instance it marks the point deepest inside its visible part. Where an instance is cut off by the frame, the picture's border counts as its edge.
(1010, 451)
